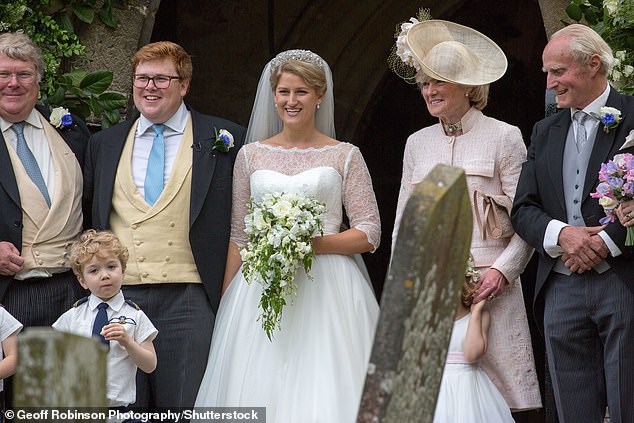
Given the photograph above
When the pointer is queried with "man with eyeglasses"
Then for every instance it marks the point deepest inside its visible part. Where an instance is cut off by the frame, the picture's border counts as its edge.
(40, 191)
(162, 183)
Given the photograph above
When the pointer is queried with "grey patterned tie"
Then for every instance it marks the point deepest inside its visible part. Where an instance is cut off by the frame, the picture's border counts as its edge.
(581, 137)
(28, 160)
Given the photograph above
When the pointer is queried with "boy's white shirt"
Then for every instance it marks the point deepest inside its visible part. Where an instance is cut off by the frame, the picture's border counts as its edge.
(121, 369)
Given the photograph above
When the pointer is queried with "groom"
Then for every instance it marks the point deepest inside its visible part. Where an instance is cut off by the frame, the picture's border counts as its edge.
(162, 183)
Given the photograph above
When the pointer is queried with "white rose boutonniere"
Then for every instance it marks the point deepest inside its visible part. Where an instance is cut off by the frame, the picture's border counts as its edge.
(609, 117)
(224, 140)
(61, 118)
(629, 141)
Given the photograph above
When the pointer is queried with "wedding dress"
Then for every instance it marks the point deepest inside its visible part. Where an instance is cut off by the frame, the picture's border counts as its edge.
(314, 368)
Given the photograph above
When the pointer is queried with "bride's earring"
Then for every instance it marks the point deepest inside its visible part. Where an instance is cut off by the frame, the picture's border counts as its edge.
(318, 106)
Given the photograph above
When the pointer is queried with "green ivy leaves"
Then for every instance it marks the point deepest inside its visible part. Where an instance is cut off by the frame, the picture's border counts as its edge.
(51, 25)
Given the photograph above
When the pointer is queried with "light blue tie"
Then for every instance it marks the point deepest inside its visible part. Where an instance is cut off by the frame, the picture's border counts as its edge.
(155, 167)
(28, 160)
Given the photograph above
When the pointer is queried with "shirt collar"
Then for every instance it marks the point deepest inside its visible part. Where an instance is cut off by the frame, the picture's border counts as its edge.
(594, 108)
(176, 123)
(114, 303)
(32, 119)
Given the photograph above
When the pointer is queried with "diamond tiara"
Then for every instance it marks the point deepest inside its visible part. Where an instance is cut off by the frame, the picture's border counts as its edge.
(300, 55)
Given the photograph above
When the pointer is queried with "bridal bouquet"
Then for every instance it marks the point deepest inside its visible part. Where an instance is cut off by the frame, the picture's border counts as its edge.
(280, 228)
(616, 185)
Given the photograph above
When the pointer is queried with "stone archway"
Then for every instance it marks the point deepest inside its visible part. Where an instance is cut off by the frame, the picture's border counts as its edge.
(231, 41)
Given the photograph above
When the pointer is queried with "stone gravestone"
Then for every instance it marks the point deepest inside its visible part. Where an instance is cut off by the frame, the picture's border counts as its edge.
(60, 370)
(419, 301)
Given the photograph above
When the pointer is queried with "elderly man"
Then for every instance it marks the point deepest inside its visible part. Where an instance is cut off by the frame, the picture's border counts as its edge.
(162, 183)
(584, 290)
(41, 182)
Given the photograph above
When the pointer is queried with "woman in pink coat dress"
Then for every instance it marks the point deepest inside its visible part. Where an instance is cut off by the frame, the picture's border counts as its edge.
(453, 66)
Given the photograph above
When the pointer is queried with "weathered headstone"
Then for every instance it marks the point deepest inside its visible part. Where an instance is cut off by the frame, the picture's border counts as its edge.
(419, 301)
(59, 370)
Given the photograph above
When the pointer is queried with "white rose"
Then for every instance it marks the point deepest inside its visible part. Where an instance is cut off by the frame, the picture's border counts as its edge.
(608, 203)
(56, 116)
(628, 70)
(281, 208)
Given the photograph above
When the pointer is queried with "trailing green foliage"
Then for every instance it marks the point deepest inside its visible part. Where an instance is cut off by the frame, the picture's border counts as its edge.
(614, 21)
(50, 24)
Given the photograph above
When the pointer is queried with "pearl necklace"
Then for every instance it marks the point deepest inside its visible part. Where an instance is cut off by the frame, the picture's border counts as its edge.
(452, 128)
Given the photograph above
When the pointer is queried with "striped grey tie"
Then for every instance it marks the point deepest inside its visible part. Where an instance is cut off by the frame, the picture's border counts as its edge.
(581, 137)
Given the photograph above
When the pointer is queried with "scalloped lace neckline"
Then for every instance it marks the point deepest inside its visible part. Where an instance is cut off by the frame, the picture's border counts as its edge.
(300, 149)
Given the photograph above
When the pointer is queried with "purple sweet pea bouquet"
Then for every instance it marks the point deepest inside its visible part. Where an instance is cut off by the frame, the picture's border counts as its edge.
(616, 185)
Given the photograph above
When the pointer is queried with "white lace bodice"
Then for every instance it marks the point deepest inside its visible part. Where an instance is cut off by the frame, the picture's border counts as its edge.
(336, 175)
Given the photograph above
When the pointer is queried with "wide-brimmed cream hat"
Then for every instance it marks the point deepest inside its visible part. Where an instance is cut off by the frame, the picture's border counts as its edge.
(455, 53)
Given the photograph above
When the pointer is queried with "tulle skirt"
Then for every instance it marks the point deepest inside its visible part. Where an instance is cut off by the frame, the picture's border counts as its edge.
(467, 395)
(314, 368)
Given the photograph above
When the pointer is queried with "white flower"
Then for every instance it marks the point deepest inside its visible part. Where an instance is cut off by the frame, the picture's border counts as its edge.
(402, 47)
(616, 75)
(628, 70)
(282, 208)
(280, 228)
(608, 203)
(612, 6)
(620, 161)
(60, 117)
(629, 141)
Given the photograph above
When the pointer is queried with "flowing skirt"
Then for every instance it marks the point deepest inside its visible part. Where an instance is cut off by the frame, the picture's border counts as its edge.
(467, 395)
(314, 368)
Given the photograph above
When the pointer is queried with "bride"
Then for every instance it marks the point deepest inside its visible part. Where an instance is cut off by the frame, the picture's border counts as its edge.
(314, 367)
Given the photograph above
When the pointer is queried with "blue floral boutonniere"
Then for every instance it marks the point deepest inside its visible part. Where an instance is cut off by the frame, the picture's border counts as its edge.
(224, 140)
(61, 118)
(609, 117)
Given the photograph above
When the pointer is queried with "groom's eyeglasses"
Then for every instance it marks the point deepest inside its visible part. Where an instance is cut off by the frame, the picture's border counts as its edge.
(160, 81)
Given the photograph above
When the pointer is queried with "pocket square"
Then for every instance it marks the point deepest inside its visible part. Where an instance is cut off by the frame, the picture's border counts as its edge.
(629, 141)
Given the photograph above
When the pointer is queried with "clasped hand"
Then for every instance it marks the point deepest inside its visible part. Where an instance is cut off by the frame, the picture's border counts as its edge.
(490, 285)
(583, 248)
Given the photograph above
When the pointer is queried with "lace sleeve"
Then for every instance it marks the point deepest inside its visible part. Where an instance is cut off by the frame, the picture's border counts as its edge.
(240, 198)
(359, 199)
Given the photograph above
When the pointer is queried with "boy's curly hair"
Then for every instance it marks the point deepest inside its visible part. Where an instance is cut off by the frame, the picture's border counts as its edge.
(101, 243)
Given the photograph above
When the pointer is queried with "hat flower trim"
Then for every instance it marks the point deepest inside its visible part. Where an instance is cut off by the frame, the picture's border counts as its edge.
(609, 117)
(223, 140)
(403, 50)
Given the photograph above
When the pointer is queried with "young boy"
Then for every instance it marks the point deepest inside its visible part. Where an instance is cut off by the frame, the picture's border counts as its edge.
(99, 260)
(9, 328)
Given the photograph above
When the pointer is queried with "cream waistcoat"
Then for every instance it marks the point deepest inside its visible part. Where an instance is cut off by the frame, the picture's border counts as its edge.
(48, 234)
(157, 236)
